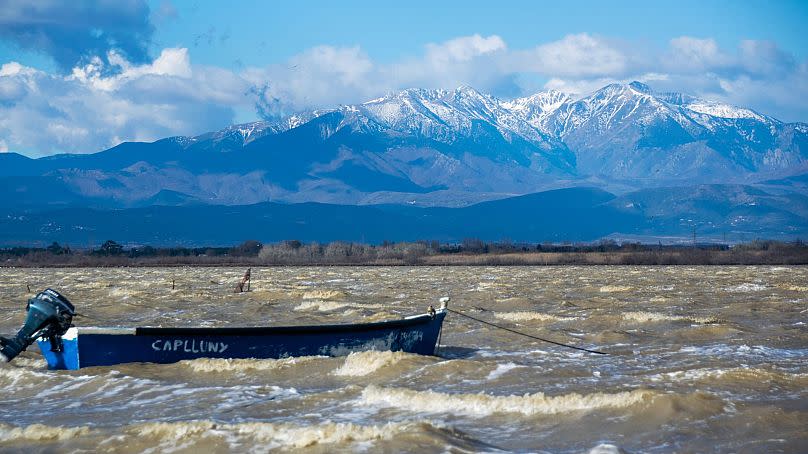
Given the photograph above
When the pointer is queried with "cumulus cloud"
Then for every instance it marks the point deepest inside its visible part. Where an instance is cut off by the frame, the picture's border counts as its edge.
(326, 75)
(69, 31)
(765, 59)
(581, 55)
(171, 62)
(695, 55)
(95, 108)
(109, 98)
(463, 49)
(753, 73)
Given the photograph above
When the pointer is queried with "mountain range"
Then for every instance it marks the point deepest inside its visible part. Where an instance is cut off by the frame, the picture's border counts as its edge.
(664, 164)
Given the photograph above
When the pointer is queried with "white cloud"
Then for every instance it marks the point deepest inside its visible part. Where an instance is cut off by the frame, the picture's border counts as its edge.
(579, 87)
(579, 55)
(577, 64)
(110, 99)
(13, 68)
(758, 74)
(694, 54)
(99, 105)
(765, 59)
(172, 62)
(463, 49)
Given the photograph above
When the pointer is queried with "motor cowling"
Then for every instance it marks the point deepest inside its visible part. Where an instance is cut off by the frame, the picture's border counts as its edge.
(49, 315)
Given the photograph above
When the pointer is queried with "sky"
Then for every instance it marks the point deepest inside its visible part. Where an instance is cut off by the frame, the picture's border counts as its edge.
(83, 76)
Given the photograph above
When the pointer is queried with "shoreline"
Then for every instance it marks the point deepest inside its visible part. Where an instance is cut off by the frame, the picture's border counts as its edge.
(469, 253)
(713, 258)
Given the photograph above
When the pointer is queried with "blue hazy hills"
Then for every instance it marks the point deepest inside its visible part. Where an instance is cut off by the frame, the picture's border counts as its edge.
(624, 162)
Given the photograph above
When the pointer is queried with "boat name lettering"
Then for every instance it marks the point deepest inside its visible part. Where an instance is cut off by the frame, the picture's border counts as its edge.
(188, 346)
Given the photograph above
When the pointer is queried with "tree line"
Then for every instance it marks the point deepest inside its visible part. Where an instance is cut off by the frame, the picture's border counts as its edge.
(470, 251)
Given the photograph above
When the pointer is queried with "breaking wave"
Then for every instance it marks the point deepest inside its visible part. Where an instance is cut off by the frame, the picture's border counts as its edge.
(481, 405)
(606, 448)
(274, 436)
(743, 374)
(530, 316)
(501, 370)
(325, 306)
(359, 364)
(243, 365)
(21, 361)
(615, 288)
(40, 432)
(322, 306)
(323, 294)
(646, 317)
(745, 288)
(20, 377)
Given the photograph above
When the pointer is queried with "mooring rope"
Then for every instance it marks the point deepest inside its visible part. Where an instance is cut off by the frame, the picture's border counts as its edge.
(524, 334)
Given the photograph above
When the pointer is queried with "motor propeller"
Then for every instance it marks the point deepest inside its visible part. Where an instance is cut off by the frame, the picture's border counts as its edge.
(50, 314)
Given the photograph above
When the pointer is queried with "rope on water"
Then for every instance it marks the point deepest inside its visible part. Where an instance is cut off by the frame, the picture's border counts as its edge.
(524, 334)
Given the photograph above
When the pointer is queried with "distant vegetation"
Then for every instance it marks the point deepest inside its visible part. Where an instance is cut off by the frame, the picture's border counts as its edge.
(468, 252)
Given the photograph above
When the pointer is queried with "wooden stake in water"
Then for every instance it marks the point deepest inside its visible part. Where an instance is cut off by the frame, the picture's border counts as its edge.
(244, 281)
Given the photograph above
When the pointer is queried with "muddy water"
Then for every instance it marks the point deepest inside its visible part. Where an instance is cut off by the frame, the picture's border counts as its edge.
(702, 359)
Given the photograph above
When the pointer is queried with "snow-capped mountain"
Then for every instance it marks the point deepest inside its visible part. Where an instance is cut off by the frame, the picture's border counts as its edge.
(671, 161)
(535, 109)
(630, 132)
(446, 147)
(620, 132)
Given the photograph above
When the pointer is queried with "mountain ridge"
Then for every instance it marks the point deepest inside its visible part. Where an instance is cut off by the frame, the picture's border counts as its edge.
(449, 149)
(458, 141)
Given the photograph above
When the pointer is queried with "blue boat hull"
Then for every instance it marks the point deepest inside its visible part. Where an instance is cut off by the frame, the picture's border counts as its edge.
(87, 347)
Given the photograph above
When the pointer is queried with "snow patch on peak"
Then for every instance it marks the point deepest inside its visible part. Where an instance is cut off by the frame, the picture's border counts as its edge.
(537, 108)
(720, 110)
(544, 101)
(468, 90)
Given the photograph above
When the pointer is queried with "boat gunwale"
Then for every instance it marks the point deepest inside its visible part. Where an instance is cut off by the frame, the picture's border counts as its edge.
(261, 330)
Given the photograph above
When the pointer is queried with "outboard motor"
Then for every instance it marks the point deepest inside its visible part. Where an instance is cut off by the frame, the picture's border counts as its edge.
(50, 314)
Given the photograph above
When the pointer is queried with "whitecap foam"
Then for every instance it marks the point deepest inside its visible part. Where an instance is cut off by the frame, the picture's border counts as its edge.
(326, 306)
(21, 361)
(322, 306)
(244, 365)
(646, 317)
(323, 294)
(522, 316)
(41, 432)
(19, 376)
(359, 364)
(733, 373)
(615, 288)
(502, 369)
(606, 448)
(481, 405)
(754, 351)
(271, 435)
(745, 288)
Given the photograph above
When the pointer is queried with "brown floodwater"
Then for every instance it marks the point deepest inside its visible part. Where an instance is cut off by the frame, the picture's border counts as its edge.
(701, 359)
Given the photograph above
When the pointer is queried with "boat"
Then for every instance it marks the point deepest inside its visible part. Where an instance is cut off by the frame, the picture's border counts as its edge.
(49, 324)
